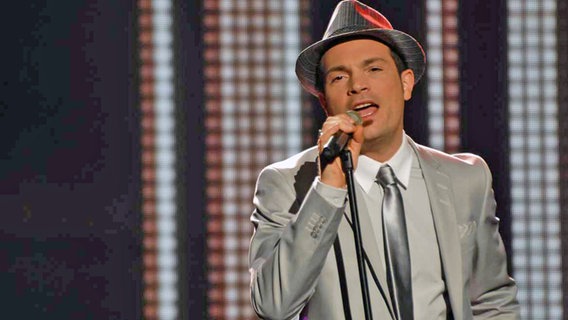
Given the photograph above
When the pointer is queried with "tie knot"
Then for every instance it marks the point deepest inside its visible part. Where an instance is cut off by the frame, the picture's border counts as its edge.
(386, 176)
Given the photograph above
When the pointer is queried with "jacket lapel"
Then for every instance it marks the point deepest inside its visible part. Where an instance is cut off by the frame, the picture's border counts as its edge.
(442, 204)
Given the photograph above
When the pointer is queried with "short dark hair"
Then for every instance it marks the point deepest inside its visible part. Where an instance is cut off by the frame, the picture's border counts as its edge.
(400, 66)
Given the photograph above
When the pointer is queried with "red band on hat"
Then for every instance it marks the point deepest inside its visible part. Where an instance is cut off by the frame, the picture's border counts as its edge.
(372, 16)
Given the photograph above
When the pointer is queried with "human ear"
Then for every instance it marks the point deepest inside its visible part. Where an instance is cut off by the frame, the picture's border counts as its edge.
(407, 78)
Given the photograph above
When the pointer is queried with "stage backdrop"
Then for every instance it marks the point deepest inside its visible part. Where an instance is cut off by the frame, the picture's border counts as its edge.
(133, 133)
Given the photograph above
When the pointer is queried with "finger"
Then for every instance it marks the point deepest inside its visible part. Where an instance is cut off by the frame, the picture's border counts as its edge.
(333, 124)
(338, 123)
(358, 134)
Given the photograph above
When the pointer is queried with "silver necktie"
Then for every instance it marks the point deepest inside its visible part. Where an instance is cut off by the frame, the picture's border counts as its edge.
(397, 254)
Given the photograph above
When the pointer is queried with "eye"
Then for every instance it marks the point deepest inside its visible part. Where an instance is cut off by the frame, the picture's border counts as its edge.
(375, 69)
(336, 78)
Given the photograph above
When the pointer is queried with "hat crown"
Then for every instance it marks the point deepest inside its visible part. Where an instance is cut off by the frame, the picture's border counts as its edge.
(351, 15)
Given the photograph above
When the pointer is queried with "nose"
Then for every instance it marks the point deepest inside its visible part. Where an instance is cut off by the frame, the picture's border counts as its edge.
(358, 84)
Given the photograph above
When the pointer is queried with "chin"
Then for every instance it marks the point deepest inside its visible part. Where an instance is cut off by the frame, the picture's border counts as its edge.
(373, 133)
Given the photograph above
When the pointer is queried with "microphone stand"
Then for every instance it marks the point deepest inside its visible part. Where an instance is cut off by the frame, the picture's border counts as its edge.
(347, 164)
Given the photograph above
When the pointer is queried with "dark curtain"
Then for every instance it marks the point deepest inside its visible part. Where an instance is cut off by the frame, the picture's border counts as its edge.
(70, 242)
(484, 97)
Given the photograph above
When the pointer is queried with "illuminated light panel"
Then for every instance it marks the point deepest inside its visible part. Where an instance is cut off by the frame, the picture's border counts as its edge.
(165, 159)
(443, 75)
(149, 229)
(254, 117)
(158, 172)
(435, 73)
(533, 125)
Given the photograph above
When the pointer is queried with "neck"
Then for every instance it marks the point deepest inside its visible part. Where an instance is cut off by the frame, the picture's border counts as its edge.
(382, 150)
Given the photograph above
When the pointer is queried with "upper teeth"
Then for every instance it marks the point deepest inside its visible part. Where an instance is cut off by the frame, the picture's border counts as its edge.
(362, 106)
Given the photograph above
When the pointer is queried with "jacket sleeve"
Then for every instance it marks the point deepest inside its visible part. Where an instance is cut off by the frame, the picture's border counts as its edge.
(492, 291)
(287, 250)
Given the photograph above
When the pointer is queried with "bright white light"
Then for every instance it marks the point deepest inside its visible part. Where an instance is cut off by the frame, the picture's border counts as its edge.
(165, 154)
(434, 72)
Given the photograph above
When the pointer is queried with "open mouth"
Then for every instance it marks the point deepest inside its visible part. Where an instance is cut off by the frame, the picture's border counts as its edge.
(366, 109)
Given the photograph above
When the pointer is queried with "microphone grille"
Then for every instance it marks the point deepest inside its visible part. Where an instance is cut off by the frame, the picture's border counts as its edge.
(355, 116)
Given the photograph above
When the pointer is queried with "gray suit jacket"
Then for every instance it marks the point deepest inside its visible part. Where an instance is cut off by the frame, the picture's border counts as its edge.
(303, 260)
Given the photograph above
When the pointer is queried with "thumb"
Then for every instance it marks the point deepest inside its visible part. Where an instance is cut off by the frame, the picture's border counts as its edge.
(358, 134)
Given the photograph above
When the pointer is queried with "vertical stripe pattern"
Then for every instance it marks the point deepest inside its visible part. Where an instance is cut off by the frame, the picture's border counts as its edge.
(253, 117)
(158, 164)
(533, 124)
(443, 74)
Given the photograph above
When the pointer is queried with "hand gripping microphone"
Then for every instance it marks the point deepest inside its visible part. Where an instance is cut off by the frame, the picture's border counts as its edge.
(338, 141)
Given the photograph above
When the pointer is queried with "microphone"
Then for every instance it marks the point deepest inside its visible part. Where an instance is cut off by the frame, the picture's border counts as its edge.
(338, 141)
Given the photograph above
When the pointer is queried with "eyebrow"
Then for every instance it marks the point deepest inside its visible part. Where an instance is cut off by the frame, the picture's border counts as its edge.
(365, 63)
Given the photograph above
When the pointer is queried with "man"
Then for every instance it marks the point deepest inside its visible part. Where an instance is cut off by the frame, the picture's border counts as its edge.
(302, 255)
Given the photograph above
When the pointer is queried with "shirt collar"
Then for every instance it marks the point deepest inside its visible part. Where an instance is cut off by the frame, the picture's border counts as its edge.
(401, 163)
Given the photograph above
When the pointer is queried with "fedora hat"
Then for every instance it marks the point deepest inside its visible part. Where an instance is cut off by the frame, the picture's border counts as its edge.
(353, 19)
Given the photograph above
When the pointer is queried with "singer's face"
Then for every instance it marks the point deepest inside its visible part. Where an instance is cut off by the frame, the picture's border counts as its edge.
(361, 75)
